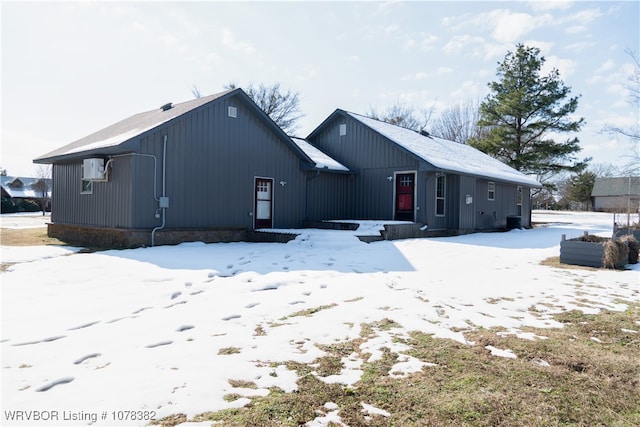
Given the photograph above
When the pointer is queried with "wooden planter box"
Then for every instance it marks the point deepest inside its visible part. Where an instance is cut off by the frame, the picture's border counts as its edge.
(594, 251)
(576, 252)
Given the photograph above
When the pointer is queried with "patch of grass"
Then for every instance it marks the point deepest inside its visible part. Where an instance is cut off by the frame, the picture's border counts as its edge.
(242, 384)
(229, 350)
(566, 379)
(554, 262)
(309, 311)
(28, 237)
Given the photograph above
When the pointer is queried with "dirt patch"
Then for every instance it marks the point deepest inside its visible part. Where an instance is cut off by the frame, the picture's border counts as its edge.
(27, 237)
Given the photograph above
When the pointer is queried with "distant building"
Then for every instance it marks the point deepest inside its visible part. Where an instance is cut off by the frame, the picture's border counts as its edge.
(25, 194)
(616, 194)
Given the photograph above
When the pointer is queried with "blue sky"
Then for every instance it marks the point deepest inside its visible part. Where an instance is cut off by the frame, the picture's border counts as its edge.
(70, 69)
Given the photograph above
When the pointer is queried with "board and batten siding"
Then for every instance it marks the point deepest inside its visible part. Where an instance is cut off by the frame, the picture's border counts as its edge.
(373, 158)
(108, 205)
(492, 214)
(212, 161)
(329, 196)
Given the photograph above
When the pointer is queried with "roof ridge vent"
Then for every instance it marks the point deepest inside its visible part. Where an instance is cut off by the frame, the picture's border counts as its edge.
(167, 106)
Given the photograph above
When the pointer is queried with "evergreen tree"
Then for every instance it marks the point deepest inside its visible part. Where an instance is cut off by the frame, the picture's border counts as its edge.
(579, 188)
(524, 112)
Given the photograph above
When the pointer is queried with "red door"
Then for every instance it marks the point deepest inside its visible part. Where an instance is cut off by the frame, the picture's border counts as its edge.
(405, 194)
(263, 203)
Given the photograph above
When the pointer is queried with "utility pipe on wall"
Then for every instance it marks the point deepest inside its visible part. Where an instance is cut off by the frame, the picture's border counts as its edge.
(164, 201)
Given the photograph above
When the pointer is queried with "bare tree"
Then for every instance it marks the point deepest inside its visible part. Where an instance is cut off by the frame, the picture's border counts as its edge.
(41, 186)
(195, 91)
(459, 122)
(633, 132)
(3, 171)
(405, 116)
(283, 107)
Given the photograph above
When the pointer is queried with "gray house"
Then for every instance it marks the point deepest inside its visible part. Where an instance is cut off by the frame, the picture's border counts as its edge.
(404, 175)
(218, 168)
(620, 194)
(207, 169)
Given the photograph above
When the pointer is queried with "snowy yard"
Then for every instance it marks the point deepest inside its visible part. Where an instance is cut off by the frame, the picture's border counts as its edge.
(164, 329)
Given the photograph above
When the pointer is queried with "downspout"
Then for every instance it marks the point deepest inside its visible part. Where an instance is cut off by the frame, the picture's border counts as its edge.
(163, 202)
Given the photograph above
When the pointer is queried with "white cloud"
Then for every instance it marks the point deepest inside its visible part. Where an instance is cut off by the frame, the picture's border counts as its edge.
(579, 46)
(230, 41)
(416, 76)
(423, 41)
(504, 25)
(606, 66)
(566, 67)
(469, 89)
(539, 5)
(463, 42)
(584, 17)
(575, 29)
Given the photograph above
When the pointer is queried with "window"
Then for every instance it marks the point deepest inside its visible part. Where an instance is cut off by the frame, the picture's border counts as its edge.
(233, 112)
(491, 191)
(86, 185)
(440, 195)
(519, 200)
(343, 129)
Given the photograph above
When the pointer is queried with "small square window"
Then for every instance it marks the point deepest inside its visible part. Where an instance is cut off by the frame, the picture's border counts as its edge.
(343, 129)
(233, 112)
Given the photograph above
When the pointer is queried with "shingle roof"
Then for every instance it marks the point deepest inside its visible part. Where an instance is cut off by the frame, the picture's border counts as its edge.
(447, 155)
(620, 186)
(124, 130)
(122, 137)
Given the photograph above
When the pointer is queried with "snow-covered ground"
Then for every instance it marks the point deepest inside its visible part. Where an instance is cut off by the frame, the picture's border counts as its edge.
(163, 329)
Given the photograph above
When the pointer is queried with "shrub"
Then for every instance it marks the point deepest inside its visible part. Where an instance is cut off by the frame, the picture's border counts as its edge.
(616, 254)
(8, 206)
(632, 246)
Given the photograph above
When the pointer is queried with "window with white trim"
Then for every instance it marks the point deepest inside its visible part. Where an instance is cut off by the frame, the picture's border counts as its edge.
(519, 200)
(86, 186)
(491, 191)
(440, 195)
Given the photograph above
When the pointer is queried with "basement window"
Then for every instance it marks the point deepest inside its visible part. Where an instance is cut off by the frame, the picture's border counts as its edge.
(491, 191)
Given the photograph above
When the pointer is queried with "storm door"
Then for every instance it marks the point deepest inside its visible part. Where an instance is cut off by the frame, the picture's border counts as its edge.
(405, 197)
(264, 203)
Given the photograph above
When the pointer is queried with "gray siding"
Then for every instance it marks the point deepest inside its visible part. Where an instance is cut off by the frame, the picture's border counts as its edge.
(212, 160)
(491, 214)
(466, 211)
(329, 196)
(374, 159)
(109, 205)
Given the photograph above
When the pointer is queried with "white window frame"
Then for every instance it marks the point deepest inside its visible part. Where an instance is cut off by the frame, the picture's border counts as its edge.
(86, 185)
(519, 198)
(443, 197)
(491, 191)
